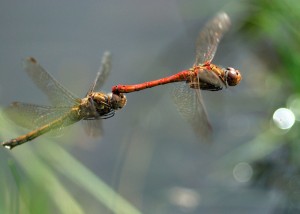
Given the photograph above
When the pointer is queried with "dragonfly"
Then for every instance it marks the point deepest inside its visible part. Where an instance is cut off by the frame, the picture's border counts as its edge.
(66, 108)
(204, 75)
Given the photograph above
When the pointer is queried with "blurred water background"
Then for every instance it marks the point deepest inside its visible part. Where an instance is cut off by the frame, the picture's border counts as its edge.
(149, 160)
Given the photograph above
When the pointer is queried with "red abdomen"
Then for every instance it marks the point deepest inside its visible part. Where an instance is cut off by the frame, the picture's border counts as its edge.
(181, 76)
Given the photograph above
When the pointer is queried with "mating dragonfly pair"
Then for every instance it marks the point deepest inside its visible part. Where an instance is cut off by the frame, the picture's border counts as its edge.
(68, 109)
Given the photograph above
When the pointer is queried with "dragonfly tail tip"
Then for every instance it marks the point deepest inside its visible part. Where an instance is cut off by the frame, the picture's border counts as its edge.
(5, 145)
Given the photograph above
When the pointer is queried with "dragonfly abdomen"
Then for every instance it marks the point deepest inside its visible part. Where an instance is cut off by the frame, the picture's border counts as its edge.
(36, 133)
(181, 76)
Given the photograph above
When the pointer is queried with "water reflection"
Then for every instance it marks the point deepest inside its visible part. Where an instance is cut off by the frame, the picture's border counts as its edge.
(284, 118)
(242, 172)
(185, 198)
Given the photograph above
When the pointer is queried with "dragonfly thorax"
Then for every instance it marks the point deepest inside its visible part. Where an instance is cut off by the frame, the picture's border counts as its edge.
(96, 105)
(100, 105)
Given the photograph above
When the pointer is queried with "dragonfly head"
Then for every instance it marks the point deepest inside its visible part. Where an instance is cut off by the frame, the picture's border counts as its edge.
(118, 101)
(233, 76)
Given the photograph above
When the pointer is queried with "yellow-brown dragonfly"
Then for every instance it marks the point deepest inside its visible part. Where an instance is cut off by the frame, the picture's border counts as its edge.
(66, 108)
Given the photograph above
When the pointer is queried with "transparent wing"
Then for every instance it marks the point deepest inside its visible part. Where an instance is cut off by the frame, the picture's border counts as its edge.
(201, 122)
(56, 93)
(102, 73)
(190, 106)
(210, 36)
(93, 128)
(32, 116)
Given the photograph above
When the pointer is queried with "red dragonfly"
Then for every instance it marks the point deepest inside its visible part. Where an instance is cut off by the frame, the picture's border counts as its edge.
(66, 108)
(203, 75)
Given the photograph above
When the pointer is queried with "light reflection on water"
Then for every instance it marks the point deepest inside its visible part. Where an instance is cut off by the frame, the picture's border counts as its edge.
(284, 118)
(242, 172)
(185, 198)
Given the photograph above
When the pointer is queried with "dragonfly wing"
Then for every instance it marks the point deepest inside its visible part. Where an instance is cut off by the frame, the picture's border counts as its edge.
(57, 94)
(32, 116)
(190, 105)
(102, 73)
(201, 122)
(210, 36)
(93, 128)
(59, 130)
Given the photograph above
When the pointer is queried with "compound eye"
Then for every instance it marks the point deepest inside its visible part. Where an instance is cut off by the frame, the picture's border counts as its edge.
(233, 76)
